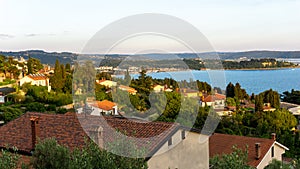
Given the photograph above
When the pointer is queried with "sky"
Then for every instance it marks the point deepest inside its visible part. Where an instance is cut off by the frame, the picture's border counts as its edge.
(229, 25)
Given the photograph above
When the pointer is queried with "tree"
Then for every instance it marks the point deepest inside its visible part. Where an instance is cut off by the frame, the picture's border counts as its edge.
(127, 78)
(33, 65)
(8, 160)
(272, 97)
(57, 81)
(275, 164)
(9, 113)
(68, 68)
(237, 159)
(230, 90)
(259, 104)
(230, 101)
(49, 154)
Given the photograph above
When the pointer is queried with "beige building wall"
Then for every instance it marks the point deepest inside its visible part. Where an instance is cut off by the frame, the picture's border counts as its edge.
(278, 151)
(188, 153)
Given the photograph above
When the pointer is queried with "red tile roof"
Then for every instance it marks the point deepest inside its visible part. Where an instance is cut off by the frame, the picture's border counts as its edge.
(222, 144)
(128, 89)
(70, 130)
(212, 98)
(38, 77)
(105, 105)
(220, 96)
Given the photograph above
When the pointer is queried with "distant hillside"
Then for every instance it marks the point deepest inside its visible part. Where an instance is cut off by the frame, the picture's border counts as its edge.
(248, 55)
(44, 57)
(66, 57)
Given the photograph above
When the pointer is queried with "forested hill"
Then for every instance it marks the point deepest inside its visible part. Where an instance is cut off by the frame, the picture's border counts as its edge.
(248, 55)
(66, 57)
(44, 57)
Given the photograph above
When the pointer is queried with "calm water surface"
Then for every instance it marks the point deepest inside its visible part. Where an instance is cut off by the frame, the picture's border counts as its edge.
(254, 81)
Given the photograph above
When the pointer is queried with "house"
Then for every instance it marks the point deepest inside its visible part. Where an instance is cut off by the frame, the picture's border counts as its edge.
(216, 100)
(158, 88)
(261, 151)
(267, 107)
(223, 112)
(47, 70)
(4, 92)
(168, 90)
(106, 107)
(128, 89)
(36, 79)
(189, 92)
(106, 83)
(166, 145)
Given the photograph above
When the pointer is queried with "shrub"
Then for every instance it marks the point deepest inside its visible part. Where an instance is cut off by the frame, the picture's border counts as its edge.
(8, 160)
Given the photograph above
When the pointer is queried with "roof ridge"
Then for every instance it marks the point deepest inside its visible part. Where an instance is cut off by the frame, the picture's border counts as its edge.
(245, 136)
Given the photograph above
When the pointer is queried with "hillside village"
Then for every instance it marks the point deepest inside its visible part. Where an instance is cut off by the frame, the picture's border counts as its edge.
(39, 102)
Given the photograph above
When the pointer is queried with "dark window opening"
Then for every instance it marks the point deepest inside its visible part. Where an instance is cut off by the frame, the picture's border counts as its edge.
(170, 142)
(183, 134)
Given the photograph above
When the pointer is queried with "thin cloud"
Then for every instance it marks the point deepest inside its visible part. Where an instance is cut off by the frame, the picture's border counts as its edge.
(6, 36)
(36, 34)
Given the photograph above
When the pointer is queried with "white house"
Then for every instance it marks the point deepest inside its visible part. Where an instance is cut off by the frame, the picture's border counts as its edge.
(107, 83)
(106, 107)
(36, 79)
(158, 88)
(215, 101)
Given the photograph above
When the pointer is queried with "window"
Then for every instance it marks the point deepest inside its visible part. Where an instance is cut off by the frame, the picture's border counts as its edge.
(272, 152)
(170, 142)
(183, 134)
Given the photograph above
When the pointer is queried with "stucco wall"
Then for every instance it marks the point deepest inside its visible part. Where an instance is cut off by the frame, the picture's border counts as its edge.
(182, 154)
(278, 151)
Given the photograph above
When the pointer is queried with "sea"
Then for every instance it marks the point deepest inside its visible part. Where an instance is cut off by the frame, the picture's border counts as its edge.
(253, 81)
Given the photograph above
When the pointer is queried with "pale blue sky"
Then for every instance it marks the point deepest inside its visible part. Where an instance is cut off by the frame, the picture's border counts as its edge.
(230, 25)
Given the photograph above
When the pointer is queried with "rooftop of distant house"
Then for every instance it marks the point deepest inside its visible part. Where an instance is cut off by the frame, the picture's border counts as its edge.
(212, 98)
(6, 90)
(105, 105)
(37, 76)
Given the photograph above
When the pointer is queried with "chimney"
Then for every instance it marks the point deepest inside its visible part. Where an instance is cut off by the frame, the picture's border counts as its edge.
(35, 130)
(96, 134)
(257, 151)
(273, 136)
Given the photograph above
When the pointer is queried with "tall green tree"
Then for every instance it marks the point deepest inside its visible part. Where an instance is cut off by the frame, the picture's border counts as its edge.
(259, 103)
(33, 65)
(57, 81)
(230, 90)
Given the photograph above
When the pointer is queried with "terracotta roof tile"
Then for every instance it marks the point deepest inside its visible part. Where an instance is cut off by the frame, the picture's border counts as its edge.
(70, 130)
(222, 144)
(38, 77)
(105, 105)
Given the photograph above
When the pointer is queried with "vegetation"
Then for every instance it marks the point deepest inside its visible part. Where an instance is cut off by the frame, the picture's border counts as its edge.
(33, 65)
(7, 81)
(237, 159)
(268, 96)
(49, 154)
(292, 97)
(248, 64)
(61, 81)
(8, 160)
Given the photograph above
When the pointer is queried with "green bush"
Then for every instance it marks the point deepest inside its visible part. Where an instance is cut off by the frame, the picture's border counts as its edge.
(49, 154)
(8, 160)
(9, 113)
(237, 159)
